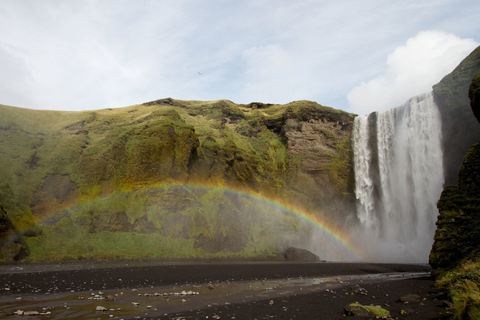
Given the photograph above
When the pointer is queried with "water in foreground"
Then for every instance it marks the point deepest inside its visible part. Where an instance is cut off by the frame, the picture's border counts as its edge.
(129, 291)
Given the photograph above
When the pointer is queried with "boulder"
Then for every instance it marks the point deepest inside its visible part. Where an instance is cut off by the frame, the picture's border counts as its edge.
(33, 231)
(371, 311)
(357, 311)
(297, 254)
(410, 298)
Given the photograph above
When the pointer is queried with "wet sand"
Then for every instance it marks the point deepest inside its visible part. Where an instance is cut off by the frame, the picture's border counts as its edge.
(284, 290)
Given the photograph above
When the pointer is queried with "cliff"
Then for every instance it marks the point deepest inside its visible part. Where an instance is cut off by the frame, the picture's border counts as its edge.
(456, 251)
(172, 178)
(457, 237)
(459, 128)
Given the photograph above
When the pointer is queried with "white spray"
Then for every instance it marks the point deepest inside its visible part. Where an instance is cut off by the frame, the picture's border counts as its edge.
(398, 222)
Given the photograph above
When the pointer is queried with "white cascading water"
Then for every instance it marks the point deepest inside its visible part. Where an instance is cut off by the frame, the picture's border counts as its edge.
(398, 221)
(363, 180)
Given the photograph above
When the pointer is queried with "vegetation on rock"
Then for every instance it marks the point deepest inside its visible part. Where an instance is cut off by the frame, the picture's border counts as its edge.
(474, 95)
(118, 183)
(357, 309)
(12, 245)
(456, 250)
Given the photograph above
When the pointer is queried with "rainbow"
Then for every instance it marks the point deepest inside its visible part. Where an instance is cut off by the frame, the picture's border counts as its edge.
(332, 232)
(338, 236)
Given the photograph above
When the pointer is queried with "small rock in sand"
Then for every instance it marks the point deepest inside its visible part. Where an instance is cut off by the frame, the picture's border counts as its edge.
(410, 298)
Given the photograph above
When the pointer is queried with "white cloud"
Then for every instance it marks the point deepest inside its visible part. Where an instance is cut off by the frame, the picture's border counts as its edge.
(88, 54)
(269, 73)
(411, 70)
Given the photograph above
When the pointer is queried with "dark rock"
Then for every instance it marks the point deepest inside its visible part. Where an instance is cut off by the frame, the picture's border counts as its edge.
(459, 129)
(76, 126)
(357, 311)
(358, 290)
(410, 298)
(12, 245)
(474, 95)
(405, 312)
(297, 254)
(33, 231)
(457, 236)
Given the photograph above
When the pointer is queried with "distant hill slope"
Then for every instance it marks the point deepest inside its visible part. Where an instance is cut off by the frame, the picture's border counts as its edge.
(153, 176)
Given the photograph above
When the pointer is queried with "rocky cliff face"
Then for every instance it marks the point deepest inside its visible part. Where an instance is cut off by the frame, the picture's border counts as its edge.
(474, 95)
(456, 250)
(173, 178)
(457, 237)
(459, 128)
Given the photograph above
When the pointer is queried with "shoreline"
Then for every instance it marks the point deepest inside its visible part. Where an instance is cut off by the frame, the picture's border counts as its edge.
(321, 289)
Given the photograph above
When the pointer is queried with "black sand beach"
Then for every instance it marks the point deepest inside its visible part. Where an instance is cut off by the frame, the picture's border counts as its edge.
(284, 290)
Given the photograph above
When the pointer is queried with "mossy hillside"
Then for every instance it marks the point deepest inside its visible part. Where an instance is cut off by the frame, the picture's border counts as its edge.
(66, 160)
(168, 222)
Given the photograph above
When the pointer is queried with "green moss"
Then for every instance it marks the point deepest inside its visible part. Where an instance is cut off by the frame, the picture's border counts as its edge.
(375, 310)
(109, 159)
(463, 286)
(458, 226)
(341, 168)
(169, 222)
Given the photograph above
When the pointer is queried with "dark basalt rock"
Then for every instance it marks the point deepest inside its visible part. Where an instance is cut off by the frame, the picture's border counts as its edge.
(474, 95)
(357, 311)
(458, 226)
(459, 128)
(298, 254)
(12, 245)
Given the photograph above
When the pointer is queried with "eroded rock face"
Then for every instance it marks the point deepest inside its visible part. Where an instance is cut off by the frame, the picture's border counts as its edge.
(58, 191)
(315, 140)
(12, 245)
(474, 95)
(457, 236)
(459, 128)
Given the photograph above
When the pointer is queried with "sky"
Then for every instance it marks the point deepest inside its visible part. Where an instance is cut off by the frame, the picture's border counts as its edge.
(356, 55)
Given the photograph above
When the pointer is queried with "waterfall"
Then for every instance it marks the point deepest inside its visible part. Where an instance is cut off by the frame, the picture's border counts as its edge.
(364, 183)
(399, 179)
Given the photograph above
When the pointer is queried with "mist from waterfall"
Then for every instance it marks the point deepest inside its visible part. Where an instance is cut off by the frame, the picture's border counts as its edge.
(399, 179)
